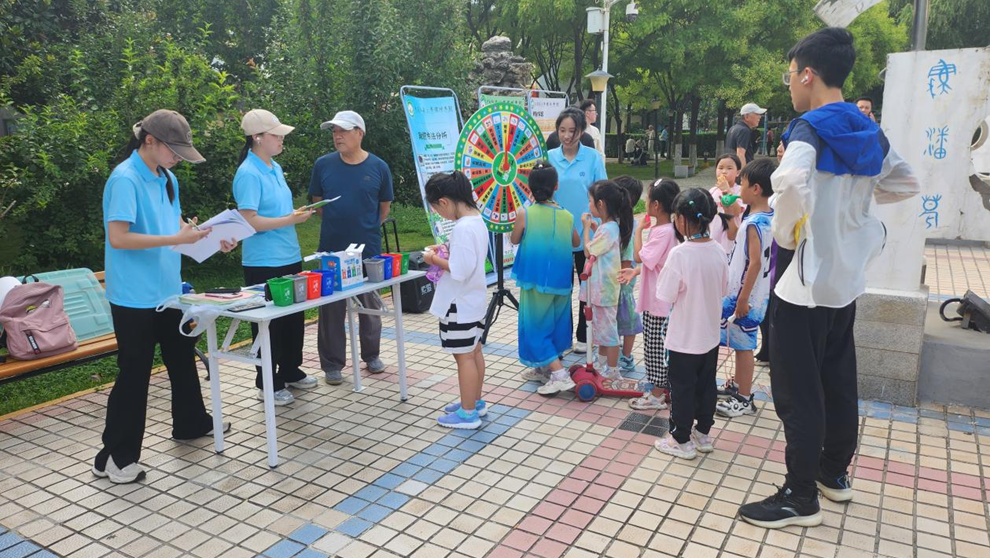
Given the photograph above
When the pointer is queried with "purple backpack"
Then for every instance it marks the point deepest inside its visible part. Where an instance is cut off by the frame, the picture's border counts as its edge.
(35, 322)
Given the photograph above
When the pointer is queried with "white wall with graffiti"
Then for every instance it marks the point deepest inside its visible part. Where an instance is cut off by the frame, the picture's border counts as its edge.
(934, 103)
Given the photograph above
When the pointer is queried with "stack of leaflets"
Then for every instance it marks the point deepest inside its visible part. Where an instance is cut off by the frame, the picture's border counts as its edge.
(216, 299)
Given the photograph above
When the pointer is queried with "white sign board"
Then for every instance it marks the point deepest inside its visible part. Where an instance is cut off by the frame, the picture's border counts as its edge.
(934, 102)
(840, 13)
(545, 111)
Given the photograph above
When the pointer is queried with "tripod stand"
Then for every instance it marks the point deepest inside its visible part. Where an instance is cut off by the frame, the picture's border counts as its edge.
(501, 296)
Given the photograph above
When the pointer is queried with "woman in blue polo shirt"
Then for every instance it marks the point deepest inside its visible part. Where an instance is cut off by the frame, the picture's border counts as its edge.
(578, 167)
(142, 221)
(264, 199)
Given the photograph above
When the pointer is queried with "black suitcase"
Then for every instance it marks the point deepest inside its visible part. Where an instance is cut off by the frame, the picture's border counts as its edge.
(417, 295)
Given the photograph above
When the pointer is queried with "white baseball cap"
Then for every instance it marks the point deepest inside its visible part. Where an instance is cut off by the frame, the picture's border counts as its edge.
(346, 119)
(751, 108)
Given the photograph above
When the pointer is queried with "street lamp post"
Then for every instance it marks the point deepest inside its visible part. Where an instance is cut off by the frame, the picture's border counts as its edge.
(601, 16)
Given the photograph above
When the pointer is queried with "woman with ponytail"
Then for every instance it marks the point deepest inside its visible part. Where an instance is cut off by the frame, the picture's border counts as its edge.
(265, 201)
(142, 220)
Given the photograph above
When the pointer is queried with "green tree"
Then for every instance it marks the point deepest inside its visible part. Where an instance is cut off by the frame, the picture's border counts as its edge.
(951, 23)
(57, 163)
(239, 29)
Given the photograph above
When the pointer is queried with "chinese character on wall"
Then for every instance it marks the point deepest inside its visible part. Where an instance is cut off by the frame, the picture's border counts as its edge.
(929, 206)
(936, 142)
(938, 78)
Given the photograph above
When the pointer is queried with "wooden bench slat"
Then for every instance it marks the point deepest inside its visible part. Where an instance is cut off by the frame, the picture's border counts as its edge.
(99, 345)
(105, 344)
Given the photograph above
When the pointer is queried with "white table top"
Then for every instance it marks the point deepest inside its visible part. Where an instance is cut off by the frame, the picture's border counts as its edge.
(271, 312)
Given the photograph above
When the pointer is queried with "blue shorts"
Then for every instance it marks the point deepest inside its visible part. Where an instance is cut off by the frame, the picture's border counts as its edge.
(740, 335)
(737, 338)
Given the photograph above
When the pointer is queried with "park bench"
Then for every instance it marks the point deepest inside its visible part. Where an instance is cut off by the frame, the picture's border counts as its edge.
(90, 349)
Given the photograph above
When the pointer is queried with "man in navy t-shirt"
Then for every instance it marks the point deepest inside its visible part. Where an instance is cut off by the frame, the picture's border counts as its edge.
(364, 184)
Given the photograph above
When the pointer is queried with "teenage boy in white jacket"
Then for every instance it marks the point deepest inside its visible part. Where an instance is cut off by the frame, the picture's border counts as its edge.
(836, 162)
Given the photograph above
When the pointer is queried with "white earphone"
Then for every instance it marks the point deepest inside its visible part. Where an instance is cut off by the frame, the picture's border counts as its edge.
(804, 79)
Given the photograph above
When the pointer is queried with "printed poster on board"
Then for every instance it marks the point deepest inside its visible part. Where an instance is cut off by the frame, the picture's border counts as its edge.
(434, 130)
(545, 111)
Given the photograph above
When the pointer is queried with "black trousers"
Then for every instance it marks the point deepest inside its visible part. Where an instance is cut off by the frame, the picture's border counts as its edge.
(693, 394)
(138, 331)
(286, 333)
(813, 375)
(581, 333)
(764, 353)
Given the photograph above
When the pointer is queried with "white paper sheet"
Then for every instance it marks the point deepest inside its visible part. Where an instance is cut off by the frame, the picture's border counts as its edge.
(226, 225)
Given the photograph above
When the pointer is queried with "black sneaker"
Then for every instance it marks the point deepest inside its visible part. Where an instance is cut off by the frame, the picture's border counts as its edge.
(736, 406)
(837, 489)
(782, 510)
(728, 389)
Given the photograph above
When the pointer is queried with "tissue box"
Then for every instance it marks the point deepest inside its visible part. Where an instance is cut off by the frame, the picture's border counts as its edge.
(345, 266)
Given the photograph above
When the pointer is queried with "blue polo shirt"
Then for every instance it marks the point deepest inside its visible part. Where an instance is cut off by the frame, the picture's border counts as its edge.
(133, 194)
(263, 189)
(354, 218)
(573, 180)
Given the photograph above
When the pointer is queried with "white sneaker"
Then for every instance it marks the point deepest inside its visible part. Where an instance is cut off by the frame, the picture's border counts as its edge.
(648, 402)
(580, 348)
(129, 474)
(611, 373)
(282, 397)
(702, 442)
(555, 386)
(308, 382)
(736, 406)
(539, 374)
(669, 445)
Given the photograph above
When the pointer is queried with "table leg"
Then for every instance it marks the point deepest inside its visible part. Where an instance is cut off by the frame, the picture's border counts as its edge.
(354, 344)
(400, 340)
(267, 381)
(214, 363)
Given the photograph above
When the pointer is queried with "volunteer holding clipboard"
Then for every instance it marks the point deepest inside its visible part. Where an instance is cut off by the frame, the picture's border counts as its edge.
(265, 201)
(142, 221)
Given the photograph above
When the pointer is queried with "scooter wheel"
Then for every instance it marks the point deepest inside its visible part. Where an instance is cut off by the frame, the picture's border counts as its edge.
(586, 391)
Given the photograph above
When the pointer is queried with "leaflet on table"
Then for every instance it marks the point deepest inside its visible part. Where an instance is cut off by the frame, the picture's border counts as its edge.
(217, 300)
(226, 225)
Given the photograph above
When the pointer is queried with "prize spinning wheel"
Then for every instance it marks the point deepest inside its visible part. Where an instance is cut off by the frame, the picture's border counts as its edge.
(498, 147)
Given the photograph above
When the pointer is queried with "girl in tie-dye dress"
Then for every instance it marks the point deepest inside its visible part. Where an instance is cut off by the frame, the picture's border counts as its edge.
(543, 269)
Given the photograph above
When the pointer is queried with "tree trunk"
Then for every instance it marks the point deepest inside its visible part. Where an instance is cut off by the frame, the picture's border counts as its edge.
(693, 140)
(670, 132)
(616, 114)
(578, 60)
(720, 130)
(679, 137)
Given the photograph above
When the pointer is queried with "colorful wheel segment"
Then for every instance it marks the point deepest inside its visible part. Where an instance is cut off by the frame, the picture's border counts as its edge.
(498, 147)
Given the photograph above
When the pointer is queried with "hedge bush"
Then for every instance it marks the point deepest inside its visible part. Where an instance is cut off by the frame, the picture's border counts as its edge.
(105, 66)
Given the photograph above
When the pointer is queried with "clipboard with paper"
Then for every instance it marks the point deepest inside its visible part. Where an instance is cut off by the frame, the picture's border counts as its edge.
(229, 224)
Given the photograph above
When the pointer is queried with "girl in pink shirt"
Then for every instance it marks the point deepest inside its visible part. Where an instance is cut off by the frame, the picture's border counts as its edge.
(723, 230)
(693, 281)
(652, 253)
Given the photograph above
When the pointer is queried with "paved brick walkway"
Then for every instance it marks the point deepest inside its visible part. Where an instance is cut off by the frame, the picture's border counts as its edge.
(365, 475)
